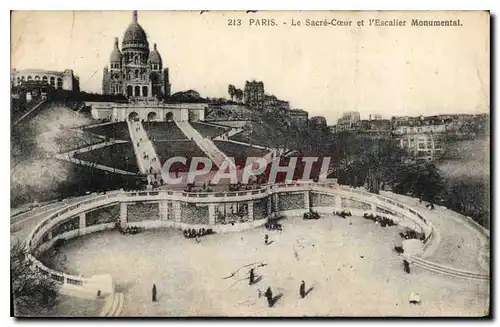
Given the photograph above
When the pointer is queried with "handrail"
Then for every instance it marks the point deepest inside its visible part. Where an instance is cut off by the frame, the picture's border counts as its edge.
(69, 211)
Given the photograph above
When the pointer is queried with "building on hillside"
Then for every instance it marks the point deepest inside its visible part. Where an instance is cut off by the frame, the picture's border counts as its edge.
(65, 80)
(298, 117)
(318, 121)
(135, 71)
(273, 104)
(139, 74)
(348, 122)
(422, 146)
(254, 95)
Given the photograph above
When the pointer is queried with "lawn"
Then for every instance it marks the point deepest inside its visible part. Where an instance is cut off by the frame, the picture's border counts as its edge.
(117, 131)
(239, 152)
(187, 149)
(163, 131)
(209, 131)
(120, 156)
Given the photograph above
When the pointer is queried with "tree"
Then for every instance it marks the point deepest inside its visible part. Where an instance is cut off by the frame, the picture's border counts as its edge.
(232, 91)
(33, 293)
(239, 95)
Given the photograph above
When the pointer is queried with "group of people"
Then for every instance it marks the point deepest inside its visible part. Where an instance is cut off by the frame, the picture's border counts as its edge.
(383, 221)
(192, 233)
(312, 215)
(411, 234)
(130, 230)
(271, 300)
(274, 225)
(343, 213)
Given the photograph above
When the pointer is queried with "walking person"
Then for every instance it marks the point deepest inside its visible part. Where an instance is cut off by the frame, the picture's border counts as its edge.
(252, 277)
(266, 239)
(269, 296)
(154, 293)
(302, 289)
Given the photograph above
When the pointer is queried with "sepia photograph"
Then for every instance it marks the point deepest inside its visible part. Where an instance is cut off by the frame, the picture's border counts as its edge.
(250, 164)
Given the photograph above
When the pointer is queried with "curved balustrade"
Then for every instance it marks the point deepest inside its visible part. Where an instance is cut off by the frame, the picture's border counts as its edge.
(38, 239)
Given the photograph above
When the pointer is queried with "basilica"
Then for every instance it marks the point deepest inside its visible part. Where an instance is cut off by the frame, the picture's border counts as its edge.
(135, 71)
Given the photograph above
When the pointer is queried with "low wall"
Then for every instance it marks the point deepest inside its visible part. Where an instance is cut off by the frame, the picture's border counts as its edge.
(91, 285)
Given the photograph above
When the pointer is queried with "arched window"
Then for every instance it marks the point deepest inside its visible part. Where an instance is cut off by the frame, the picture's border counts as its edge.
(144, 91)
(137, 91)
(59, 83)
(44, 79)
(136, 74)
(37, 78)
(22, 78)
(30, 78)
(53, 81)
(129, 90)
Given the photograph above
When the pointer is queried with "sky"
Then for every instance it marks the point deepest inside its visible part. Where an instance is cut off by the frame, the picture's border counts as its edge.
(324, 70)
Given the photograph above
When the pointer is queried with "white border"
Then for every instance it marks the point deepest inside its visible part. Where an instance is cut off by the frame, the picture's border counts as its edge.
(491, 5)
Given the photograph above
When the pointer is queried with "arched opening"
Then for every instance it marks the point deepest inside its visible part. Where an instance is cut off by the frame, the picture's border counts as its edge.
(59, 83)
(53, 81)
(30, 78)
(169, 116)
(137, 91)
(152, 116)
(136, 74)
(133, 116)
(44, 79)
(22, 78)
(37, 78)
(129, 90)
(144, 91)
(193, 115)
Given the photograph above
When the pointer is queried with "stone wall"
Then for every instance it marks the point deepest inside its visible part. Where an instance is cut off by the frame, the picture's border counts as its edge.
(103, 215)
(260, 209)
(143, 211)
(194, 214)
(353, 204)
(321, 200)
(291, 201)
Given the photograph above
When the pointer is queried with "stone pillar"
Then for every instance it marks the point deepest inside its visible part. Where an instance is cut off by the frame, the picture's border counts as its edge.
(250, 210)
(338, 202)
(123, 214)
(276, 202)
(82, 220)
(177, 212)
(269, 205)
(163, 207)
(307, 204)
(211, 213)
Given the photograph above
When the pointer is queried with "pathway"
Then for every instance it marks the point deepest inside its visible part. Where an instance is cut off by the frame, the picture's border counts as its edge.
(205, 144)
(459, 245)
(148, 160)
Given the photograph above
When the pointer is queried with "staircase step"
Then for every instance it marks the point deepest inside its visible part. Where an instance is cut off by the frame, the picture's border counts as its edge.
(119, 310)
(108, 304)
(114, 307)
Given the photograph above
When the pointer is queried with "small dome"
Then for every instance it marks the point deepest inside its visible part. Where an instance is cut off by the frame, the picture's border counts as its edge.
(154, 56)
(116, 54)
(134, 33)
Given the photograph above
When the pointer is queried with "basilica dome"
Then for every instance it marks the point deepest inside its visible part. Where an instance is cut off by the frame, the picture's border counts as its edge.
(134, 35)
(154, 56)
(116, 54)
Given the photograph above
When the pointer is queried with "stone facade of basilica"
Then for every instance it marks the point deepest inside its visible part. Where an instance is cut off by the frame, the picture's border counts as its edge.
(135, 71)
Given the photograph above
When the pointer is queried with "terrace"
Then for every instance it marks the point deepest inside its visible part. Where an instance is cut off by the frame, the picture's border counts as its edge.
(209, 131)
(163, 131)
(120, 156)
(117, 131)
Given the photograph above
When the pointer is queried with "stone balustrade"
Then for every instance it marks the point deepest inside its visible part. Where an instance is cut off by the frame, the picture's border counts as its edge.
(261, 204)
